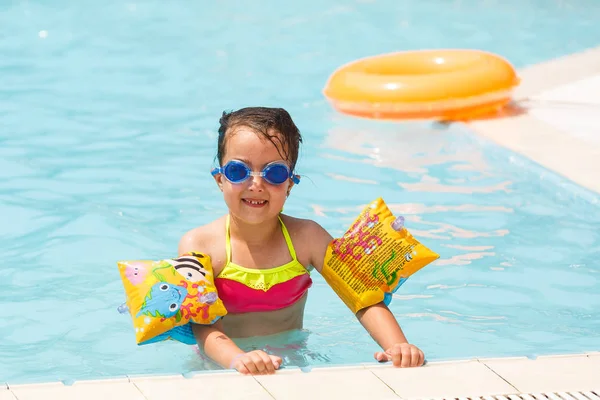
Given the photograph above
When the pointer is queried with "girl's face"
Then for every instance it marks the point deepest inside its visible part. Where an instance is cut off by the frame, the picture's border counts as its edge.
(254, 200)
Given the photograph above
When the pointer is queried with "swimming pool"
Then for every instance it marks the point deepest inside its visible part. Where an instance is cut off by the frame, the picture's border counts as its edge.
(108, 132)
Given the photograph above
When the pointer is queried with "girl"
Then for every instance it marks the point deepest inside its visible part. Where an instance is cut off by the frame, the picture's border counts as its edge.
(260, 256)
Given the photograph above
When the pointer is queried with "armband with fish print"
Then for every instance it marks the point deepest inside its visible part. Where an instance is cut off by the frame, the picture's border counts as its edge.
(165, 297)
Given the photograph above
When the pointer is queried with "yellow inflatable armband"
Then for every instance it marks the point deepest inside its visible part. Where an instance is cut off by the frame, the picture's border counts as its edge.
(164, 297)
(373, 258)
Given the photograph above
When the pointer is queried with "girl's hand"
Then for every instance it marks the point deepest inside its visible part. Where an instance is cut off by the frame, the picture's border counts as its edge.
(256, 362)
(402, 355)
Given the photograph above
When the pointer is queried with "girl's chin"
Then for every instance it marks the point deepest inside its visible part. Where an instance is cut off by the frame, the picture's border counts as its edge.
(255, 215)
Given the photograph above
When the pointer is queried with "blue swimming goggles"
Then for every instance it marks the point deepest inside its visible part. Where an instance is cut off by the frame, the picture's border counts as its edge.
(275, 173)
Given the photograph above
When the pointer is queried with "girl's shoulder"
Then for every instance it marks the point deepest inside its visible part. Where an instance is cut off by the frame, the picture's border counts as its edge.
(309, 238)
(202, 238)
(301, 226)
(298, 226)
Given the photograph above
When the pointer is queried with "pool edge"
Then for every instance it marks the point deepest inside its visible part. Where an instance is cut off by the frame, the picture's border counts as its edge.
(547, 145)
(476, 377)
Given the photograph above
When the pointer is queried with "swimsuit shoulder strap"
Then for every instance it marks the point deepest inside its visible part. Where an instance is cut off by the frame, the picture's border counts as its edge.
(227, 241)
(288, 240)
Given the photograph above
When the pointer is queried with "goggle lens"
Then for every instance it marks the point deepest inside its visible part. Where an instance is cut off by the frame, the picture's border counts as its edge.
(276, 174)
(236, 172)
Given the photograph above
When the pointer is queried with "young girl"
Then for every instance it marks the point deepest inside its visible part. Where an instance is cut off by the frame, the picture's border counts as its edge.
(260, 256)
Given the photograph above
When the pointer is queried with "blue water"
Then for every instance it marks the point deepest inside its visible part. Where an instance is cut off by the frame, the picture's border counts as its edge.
(108, 113)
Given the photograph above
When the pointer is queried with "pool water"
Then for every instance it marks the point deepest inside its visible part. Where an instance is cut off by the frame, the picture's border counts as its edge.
(109, 112)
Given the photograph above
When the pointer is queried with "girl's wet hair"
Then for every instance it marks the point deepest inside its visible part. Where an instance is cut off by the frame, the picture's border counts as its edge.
(274, 124)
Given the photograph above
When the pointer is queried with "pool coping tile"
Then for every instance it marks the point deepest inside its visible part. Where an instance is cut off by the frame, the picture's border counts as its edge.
(112, 389)
(503, 376)
(453, 380)
(538, 78)
(157, 377)
(540, 142)
(96, 381)
(549, 374)
(7, 395)
(37, 385)
(351, 382)
(218, 385)
(553, 356)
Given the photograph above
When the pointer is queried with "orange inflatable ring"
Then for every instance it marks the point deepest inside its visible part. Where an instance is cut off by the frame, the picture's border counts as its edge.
(425, 84)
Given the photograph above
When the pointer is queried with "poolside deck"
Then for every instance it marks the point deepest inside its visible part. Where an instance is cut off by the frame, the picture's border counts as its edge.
(572, 377)
(557, 119)
(556, 125)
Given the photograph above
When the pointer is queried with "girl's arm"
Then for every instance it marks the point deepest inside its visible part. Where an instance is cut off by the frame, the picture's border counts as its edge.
(377, 319)
(222, 350)
(211, 339)
(215, 344)
(381, 324)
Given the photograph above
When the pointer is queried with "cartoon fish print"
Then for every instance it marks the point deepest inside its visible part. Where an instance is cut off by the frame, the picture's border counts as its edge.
(136, 272)
(163, 300)
(191, 268)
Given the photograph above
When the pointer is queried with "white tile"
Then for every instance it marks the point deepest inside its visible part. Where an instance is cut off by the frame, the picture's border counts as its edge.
(118, 389)
(483, 360)
(585, 90)
(35, 391)
(539, 141)
(386, 365)
(579, 122)
(213, 386)
(557, 72)
(559, 356)
(550, 374)
(452, 379)
(346, 383)
(6, 395)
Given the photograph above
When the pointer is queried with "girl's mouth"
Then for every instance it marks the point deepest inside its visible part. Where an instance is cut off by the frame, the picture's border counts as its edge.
(255, 203)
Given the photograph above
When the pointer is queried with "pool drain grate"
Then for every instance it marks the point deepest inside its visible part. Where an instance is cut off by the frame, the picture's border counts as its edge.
(584, 395)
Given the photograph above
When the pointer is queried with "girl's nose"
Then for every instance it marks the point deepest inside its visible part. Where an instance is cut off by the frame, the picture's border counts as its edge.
(257, 183)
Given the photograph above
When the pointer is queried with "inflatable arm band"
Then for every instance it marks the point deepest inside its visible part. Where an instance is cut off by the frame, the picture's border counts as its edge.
(373, 258)
(164, 297)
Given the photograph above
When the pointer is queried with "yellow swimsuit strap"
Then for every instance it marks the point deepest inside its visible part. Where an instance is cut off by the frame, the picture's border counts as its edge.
(284, 230)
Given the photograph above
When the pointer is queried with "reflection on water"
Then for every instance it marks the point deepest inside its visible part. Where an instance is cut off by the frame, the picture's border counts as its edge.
(454, 231)
(463, 259)
(432, 185)
(410, 148)
(476, 248)
(408, 209)
(351, 179)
